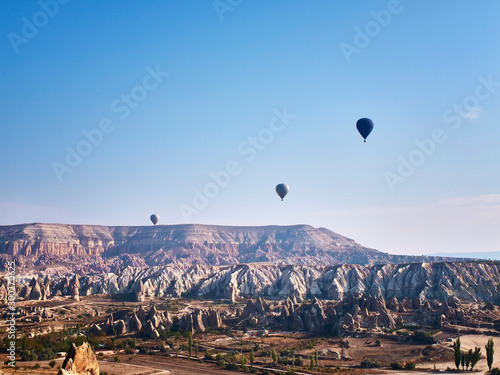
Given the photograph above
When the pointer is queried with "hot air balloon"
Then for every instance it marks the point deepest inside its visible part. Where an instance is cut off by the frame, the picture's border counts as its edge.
(282, 190)
(154, 218)
(365, 127)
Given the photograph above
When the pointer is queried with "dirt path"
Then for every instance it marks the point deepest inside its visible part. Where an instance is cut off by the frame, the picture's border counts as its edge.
(162, 365)
(130, 369)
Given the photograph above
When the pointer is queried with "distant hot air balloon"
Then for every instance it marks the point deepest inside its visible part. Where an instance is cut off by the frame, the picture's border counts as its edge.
(282, 190)
(365, 127)
(154, 218)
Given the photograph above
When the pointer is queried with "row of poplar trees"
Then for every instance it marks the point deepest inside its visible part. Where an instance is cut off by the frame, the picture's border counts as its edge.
(472, 357)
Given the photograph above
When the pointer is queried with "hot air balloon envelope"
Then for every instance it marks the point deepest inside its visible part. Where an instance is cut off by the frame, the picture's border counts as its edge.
(365, 127)
(282, 190)
(154, 218)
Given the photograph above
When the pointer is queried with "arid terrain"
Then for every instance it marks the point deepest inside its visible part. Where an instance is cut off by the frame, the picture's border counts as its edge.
(145, 308)
(169, 352)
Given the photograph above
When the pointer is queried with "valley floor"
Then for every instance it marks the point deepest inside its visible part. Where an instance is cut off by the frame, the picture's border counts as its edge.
(138, 364)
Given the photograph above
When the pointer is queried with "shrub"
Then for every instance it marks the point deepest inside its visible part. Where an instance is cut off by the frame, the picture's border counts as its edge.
(232, 366)
(396, 366)
(368, 363)
(28, 355)
(495, 371)
(47, 354)
(208, 355)
(228, 332)
(117, 359)
(52, 363)
(410, 366)
(129, 351)
(37, 365)
(423, 337)
(221, 362)
(299, 361)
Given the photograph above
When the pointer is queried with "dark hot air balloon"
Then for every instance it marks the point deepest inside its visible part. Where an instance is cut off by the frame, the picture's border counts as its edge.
(154, 218)
(365, 127)
(282, 190)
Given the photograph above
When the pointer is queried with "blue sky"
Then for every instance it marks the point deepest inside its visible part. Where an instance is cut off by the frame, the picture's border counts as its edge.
(180, 88)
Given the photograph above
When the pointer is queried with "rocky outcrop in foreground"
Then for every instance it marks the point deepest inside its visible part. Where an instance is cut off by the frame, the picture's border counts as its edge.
(80, 361)
(101, 248)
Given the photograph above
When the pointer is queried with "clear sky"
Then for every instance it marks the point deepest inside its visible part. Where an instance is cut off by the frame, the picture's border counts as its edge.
(195, 110)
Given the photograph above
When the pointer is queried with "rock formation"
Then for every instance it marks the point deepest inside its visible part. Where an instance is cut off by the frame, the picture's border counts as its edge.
(199, 320)
(80, 361)
(402, 286)
(107, 249)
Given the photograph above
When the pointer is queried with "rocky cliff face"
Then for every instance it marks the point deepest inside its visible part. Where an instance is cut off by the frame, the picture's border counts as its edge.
(471, 281)
(343, 298)
(101, 248)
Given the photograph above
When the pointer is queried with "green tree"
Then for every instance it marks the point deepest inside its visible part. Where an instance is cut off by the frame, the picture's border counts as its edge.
(475, 356)
(489, 353)
(243, 361)
(316, 360)
(467, 357)
(463, 360)
(25, 342)
(274, 356)
(196, 349)
(311, 363)
(251, 357)
(457, 352)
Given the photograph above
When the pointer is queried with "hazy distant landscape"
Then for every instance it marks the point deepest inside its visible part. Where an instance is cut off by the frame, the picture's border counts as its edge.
(495, 255)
